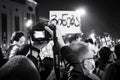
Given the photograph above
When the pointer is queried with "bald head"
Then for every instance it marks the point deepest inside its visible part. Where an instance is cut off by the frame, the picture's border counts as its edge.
(19, 68)
(81, 49)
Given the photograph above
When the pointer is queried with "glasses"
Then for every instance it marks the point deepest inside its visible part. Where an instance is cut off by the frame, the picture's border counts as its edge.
(89, 59)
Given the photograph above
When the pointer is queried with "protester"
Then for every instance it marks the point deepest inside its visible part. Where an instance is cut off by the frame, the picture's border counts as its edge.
(19, 68)
(81, 58)
(113, 71)
(103, 61)
(47, 66)
(17, 41)
(78, 55)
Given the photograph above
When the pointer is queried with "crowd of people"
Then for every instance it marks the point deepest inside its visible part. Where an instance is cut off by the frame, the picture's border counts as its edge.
(78, 60)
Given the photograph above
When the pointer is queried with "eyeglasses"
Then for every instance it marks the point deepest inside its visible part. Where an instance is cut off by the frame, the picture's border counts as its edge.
(89, 59)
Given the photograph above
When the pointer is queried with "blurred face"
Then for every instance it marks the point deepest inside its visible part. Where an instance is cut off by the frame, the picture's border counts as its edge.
(85, 56)
(89, 54)
(21, 41)
(88, 62)
(83, 50)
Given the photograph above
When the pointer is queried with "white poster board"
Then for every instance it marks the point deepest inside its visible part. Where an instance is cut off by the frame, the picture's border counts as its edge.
(68, 21)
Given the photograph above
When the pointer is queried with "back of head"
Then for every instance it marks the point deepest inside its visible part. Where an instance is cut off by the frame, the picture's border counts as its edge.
(84, 55)
(19, 68)
(105, 53)
(117, 51)
(80, 49)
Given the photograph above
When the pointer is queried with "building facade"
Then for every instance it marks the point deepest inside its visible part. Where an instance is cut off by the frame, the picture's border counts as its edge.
(13, 17)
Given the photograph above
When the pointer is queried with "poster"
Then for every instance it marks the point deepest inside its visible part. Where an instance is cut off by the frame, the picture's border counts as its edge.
(69, 22)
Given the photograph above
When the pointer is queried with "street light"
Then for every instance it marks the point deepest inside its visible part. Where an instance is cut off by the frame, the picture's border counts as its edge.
(29, 23)
(32, 1)
(92, 36)
(81, 11)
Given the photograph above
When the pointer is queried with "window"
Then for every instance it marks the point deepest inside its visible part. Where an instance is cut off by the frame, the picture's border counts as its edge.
(4, 26)
(30, 8)
(28, 15)
(17, 23)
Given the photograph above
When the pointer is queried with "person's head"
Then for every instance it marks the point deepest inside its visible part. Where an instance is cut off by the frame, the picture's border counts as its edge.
(82, 50)
(18, 38)
(117, 51)
(84, 54)
(105, 53)
(19, 68)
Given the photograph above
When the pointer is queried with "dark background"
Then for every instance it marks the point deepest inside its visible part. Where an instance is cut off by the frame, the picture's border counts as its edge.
(101, 15)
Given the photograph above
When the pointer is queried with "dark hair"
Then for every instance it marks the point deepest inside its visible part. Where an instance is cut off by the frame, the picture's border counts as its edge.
(117, 51)
(105, 53)
(89, 40)
(19, 68)
(16, 36)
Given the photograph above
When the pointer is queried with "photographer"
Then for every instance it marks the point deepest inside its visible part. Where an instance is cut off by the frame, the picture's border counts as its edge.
(17, 41)
(79, 56)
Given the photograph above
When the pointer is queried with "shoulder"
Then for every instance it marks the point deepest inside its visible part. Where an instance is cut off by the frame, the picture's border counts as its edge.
(115, 65)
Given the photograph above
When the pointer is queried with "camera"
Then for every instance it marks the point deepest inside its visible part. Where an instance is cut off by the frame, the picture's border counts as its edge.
(38, 32)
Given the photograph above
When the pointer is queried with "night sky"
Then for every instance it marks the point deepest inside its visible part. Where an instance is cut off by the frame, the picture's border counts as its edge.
(101, 15)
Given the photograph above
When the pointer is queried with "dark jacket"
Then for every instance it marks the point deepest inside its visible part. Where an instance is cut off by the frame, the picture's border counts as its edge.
(2, 60)
(113, 71)
(23, 50)
(77, 72)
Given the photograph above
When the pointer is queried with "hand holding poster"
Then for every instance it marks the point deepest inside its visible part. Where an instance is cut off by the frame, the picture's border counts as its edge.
(69, 22)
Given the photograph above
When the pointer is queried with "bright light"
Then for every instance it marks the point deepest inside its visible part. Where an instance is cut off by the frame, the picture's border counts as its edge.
(29, 23)
(39, 34)
(32, 1)
(92, 36)
(81, 11)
